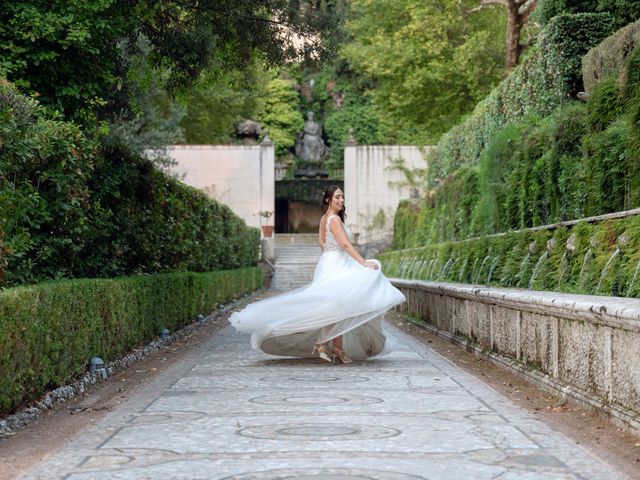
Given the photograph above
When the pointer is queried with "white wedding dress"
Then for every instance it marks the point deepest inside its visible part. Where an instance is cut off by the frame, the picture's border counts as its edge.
(344, 298)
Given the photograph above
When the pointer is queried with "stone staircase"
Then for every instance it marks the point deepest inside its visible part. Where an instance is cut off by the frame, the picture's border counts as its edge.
(296, 256)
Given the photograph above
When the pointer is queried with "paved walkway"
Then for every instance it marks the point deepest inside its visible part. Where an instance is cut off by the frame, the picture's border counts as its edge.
(228, 412)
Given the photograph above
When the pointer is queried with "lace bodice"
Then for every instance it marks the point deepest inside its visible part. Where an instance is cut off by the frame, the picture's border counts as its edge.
(330, 242)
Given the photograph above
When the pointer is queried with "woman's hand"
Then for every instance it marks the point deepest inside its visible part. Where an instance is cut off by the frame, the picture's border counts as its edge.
(371, 265)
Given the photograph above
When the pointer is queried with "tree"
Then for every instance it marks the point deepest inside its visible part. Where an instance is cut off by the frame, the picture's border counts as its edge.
(219, 100)
(69, 52)
(280, 115)
(431, 60)
(518, 12)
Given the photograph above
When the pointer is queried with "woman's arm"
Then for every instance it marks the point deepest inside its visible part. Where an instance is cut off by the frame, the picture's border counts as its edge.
(341, 237)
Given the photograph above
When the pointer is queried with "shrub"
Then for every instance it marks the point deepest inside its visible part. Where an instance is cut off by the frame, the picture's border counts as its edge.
(72, 208)
(548, 9)
(49, 331)
(623, 11)
(605, 104)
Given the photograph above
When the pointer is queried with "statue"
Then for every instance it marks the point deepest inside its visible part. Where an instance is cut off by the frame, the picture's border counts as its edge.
(248, 131)
(310, 146)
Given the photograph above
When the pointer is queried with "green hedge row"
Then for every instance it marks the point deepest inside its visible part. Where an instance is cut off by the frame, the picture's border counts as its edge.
(581, 161)
(547, 78)
(610, 57)
(70, 207)
(49, 331)
(623, 11)
(592, 258)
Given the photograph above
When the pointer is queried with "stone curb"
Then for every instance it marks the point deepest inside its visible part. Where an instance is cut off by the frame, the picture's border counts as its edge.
(617, 312)
(64, 393)
(620, 416)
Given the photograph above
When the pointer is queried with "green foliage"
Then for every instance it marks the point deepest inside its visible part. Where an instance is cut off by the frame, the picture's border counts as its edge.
(494, 169)
(545, 81)
(69, 208)
(431, 60)
(404, 225)
(362, 118)
(71, 52)
(51, 330)
(632, 89)
(64, 51)
(547, 9)
(623, 11)
(280, 115)
(43, 213)
(580, 161)
(605, 104)
(609, 170)
(600, 262)
(151, 120)
(218, 102)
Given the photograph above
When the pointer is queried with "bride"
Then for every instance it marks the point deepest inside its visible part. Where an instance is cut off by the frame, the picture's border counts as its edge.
(344, 304)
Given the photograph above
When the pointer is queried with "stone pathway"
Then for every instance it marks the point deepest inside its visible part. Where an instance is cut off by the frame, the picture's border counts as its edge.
(228, 412)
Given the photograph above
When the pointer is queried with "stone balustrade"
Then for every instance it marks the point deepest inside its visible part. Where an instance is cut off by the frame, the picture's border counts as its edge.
(585, 347)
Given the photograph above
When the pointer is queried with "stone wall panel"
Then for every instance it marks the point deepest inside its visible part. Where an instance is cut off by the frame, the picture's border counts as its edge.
(581, 356)
(504, 331)
(626, 369)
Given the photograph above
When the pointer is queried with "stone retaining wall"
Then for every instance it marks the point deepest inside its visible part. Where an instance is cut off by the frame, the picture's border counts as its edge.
(373, 188)
(586, 347)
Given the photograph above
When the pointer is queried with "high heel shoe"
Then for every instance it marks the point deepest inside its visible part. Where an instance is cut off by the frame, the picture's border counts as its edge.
(340, 355)
(323, 353)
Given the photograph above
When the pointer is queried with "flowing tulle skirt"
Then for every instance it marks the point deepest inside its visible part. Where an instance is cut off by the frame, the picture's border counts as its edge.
(344, 298)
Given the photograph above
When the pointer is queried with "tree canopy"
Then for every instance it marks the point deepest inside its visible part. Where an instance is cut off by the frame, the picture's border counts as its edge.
(432, 60)
(71, 52)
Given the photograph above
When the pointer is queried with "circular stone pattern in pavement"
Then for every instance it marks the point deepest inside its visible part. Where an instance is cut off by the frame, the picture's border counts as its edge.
(315, 400)
(314, 378)
(318, 432)
(324, 474)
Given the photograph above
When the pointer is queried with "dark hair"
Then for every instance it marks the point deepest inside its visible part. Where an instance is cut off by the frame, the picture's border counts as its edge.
(326, 199)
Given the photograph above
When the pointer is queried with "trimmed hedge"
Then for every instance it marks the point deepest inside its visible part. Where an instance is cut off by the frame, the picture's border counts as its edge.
(549, 77)
(49, 331)
(70, 207)
(610, 57)
(605, 259)
(623, 11)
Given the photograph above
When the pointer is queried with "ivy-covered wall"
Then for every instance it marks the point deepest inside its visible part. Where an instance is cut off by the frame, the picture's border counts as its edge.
(547, 78)
(580, 161)
(595, 258)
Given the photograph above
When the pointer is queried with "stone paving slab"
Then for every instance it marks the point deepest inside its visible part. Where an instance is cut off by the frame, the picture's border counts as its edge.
(228, 412)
